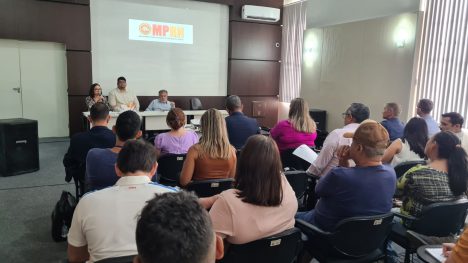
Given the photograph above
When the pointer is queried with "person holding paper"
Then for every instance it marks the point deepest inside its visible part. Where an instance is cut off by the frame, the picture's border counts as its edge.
(121, 99)
(161, 104)
(457, 253)
(327, 159)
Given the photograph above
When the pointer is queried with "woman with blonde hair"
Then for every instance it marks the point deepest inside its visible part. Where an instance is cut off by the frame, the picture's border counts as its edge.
(212, 157)
(298, 129)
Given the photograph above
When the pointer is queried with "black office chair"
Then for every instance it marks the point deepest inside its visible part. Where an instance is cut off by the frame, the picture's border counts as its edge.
(77, 173)
(299, 183)
(402, 168)
(124, 259)
(436, 220)
(289, 160)
(211, 187)
(356, 239)
(280, 248)
(169, 168)
(195, 104)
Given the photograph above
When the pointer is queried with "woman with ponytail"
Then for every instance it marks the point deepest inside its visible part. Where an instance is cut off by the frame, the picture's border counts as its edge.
(444, 178)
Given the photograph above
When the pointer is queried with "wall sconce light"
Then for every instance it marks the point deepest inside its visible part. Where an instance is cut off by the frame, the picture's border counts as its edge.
(310, 49)
(401, 37)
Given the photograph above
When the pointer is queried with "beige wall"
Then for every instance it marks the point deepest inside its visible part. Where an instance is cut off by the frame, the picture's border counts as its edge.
(359, 62)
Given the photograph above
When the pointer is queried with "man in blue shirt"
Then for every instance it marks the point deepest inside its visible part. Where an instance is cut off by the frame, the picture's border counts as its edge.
(423, 110)
(364, 190)
(239, 126)
(161, 104)
(393, 125)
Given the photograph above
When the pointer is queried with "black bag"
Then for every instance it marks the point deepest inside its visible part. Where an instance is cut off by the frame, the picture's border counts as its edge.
(62, 216)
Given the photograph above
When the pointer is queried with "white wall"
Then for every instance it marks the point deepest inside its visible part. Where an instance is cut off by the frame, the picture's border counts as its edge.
(358, 62)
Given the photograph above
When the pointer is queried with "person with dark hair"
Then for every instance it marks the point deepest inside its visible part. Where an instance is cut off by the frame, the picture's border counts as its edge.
(100, 171)
(95, 95)
(298, 129)
(262, 202)
(453, 121)
(178, 140)
(327, 159)
(161, 103)
(423, 109)
(239, 127)
(174, 227)
(411, 146)
(99, 136)
(104, 221)
(121, 99)
(443, 179)
(391, 121)
(364, 190)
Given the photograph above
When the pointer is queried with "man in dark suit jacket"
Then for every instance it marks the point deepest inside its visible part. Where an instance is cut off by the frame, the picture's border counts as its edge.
(239, 126)
(99, 136)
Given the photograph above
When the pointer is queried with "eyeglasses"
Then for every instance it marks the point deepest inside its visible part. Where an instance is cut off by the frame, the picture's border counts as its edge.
(345, 114)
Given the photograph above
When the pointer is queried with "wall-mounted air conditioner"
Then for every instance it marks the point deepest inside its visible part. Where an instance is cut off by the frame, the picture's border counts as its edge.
(260, 13)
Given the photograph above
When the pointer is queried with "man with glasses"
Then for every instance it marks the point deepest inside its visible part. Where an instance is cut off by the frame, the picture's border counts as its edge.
(328, 158)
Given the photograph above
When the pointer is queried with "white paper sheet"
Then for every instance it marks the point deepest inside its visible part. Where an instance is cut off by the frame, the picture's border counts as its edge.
(436, 253)
(304, 152)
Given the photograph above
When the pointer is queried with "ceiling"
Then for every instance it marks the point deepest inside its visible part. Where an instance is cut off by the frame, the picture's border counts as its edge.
(321, 13)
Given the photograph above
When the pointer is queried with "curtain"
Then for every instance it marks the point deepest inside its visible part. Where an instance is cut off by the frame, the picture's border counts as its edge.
(294, 24)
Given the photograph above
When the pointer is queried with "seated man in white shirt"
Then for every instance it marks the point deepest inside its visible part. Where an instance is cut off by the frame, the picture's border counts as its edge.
(104, 221)
(174, 227)
(453, 121)
(161, 104)
(327, 159)
(121, 99)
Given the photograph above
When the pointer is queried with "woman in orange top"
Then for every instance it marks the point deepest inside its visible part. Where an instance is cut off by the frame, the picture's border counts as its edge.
(213, 157)
(457, 253)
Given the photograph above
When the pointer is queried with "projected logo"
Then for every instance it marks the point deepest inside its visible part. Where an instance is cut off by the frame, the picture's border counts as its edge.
(160, 32)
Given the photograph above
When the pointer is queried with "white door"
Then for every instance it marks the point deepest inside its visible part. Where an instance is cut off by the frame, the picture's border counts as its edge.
(44, 84)
(10, 87)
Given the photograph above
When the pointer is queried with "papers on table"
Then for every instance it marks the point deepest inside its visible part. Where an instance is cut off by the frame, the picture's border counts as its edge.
(436, 253)
(304, 152)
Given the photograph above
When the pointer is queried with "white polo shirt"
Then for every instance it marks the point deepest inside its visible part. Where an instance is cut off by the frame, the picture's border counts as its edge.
(105, 220)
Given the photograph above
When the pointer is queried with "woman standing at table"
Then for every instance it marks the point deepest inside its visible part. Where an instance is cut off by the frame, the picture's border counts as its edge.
(213, 157)
(95, 95)
(178, 140)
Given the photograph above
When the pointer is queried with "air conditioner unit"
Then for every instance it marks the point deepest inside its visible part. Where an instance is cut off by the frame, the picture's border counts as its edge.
(260, 13)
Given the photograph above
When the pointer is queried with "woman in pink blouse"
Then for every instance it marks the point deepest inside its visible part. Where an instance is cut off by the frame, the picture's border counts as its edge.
(298, 129)
(262, 202)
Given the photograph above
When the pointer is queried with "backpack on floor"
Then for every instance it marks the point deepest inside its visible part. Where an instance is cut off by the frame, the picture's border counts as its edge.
(62, 216)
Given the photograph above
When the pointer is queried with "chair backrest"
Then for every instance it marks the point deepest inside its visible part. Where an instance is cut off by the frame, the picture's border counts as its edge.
(211, 187)
(288, 159)
(169, 167)
(441, 219)
(195, 104)
(402, 168)
(280, 248)
(124, 259)
(359, 236)
(298, 182)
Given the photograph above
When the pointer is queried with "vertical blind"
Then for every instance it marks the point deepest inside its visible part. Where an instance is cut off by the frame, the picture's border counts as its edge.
(294, 24)
(442, 59)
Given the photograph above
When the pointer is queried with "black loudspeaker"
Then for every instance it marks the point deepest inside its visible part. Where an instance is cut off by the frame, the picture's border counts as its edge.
(320, 118)
(19, 146)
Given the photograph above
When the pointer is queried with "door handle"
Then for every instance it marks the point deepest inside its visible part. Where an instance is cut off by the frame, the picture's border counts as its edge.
(18, 89)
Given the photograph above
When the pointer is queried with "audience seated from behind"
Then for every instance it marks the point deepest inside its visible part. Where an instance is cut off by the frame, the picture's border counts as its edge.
(298, 129)
(161, 103)
(453, 121)
(364, 190)
(262, 203)
(99, 136)
(391, 121)
(423, 109)
(443, 179)
(457, 253)
(100, 163)
(213, 157)
(121, 99)
(239, 127)
(174, 227)
(178, 140)
(411, 146)
(95, 96)
(104, 221)
(328, 159)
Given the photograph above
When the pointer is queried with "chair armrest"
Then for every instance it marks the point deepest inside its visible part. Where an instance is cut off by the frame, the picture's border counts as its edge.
(407, 217)
(308, 228)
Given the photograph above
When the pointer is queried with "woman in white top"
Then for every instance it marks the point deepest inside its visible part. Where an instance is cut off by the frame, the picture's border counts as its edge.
(411, 146)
